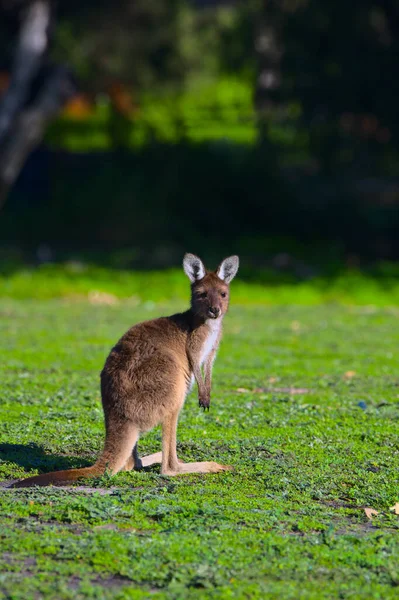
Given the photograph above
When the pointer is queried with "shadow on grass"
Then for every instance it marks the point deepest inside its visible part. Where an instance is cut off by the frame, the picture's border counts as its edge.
(32, 456)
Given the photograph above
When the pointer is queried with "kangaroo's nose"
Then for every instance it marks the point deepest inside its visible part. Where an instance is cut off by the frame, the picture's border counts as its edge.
(214, 310)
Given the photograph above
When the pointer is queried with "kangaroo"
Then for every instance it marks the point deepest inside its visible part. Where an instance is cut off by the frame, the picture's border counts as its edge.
(148, 375)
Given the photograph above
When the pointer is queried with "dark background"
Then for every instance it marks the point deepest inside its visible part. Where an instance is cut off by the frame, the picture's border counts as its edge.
(142, 128)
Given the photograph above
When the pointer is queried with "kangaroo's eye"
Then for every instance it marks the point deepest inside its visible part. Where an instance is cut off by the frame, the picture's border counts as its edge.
(223, 294)
(203, 295)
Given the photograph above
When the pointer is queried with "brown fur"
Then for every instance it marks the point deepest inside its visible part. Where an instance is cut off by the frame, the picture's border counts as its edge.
(148, 374)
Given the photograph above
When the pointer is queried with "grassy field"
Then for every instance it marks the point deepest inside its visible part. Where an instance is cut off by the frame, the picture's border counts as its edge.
(75, 280)
(305, 407)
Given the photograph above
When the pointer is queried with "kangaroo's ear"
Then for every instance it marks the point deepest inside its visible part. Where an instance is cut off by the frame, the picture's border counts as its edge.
(228, 268)
(193, 267)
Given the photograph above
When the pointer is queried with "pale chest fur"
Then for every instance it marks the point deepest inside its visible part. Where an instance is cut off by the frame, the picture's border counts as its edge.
(212, 338)
(204, 343)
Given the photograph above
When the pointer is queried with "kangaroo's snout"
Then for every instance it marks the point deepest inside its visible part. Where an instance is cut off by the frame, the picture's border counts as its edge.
(214, 312)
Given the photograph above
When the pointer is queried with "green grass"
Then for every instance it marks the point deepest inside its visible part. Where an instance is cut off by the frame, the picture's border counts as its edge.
(102, 285)
(288, 522)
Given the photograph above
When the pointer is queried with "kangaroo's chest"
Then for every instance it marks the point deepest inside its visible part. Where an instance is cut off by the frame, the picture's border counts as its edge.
(204, 343)
(210, 339)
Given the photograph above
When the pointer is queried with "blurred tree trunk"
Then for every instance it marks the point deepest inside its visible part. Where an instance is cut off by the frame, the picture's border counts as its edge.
(25, 111)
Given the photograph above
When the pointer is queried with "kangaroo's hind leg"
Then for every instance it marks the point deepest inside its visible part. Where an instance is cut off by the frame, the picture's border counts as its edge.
(168, 456)
(121, 436)
(170, 462)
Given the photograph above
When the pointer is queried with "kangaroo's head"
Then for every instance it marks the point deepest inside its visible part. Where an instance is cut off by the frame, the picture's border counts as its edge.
(210, 289)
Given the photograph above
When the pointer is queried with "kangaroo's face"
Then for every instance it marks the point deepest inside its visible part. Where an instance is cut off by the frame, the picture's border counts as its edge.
(210, 297)
(210, 290)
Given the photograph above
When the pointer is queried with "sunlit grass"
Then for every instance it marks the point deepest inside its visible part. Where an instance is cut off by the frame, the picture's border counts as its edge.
(304, 406)
(79, 281)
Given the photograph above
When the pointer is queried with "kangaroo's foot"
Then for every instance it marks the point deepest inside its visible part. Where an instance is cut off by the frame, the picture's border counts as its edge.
(197, 467)
(151, 459)
(146, 461)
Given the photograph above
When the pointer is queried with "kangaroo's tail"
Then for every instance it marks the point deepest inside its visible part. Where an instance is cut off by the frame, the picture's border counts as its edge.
(117, 450)
(59, 477)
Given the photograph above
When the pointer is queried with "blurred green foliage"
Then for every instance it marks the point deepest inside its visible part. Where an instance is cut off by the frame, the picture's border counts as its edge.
(316, 82)
(222, 110)
(235, 121)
